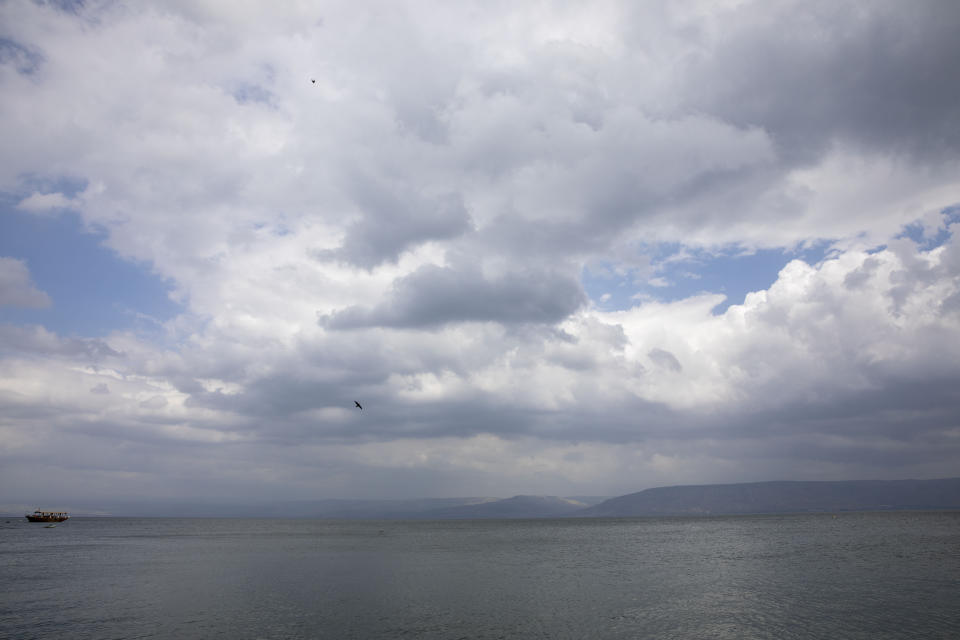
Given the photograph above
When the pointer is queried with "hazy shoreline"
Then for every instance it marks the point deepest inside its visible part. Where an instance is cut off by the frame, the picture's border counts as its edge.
(719, 499)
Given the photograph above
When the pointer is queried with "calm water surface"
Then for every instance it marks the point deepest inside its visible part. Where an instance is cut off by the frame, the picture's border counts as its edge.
(869, 575)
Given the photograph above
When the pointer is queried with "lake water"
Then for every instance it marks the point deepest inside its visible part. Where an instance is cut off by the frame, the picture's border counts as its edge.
(853, 575)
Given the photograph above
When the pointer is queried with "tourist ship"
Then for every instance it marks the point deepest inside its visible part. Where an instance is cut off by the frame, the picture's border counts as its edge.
(47, 516)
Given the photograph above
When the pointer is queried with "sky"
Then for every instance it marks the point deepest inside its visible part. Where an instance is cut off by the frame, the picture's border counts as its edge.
(560, 248)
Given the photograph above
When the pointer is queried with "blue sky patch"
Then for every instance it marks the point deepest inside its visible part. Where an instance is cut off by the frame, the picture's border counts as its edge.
(915, 231)
(676, 273)
(93, 290)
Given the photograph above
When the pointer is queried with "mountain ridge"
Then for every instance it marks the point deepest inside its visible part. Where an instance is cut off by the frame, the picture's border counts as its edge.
(783, 496)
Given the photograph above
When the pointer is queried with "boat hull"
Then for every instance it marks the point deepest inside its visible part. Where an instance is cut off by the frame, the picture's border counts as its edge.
(47, 517)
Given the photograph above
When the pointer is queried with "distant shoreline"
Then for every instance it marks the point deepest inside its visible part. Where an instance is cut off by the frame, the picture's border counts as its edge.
(754, 498)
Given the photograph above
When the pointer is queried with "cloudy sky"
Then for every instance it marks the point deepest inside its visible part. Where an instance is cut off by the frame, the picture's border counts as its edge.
(567, 248)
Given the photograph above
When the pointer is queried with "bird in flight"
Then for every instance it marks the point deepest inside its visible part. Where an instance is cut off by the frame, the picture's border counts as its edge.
(313, 80)
(358, 405)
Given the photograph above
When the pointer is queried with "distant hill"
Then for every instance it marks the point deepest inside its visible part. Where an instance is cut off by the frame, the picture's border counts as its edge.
(783, 497)
(515, 507)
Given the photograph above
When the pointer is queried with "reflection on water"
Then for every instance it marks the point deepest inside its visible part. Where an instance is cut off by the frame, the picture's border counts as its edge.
(872, 575)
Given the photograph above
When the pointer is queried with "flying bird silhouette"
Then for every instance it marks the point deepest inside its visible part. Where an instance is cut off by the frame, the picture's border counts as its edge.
(358, 405)
(313, 81)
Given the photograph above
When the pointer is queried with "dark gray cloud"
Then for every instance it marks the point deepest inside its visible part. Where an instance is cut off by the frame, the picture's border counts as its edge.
(878, 75)
(283, 394)
(861, 274)
(665, 359)
(896, 428)
(394, 219)
(433, 296)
